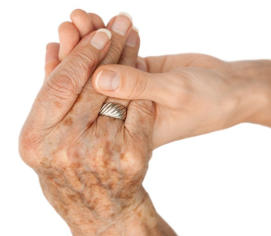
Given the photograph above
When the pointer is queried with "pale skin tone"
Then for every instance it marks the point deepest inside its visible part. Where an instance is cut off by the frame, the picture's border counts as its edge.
(80, 160)
(194, 94)
(91, 167)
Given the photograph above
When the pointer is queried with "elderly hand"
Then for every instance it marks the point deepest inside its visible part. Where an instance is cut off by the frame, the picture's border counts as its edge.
(91, 167)
(193, 94)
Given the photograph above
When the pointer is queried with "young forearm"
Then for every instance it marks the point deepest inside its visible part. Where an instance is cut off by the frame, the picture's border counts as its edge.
(254, 99)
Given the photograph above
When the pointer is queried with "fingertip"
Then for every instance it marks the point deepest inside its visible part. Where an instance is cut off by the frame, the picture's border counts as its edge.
(120, 24)
(123, 13)
(51, 51)
(77, 12)
(101, 39)
(69, 36)
(52, 44)
(51, 58)
(106, 79)
(63, 26)
(96, 21)
(97, 73)
(83, 21)
(133, 38)
(131, 48)
(121, 82)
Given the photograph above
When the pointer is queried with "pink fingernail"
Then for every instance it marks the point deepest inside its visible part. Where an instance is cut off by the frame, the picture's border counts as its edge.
(121, 24)
(107, 80)
(101, 38)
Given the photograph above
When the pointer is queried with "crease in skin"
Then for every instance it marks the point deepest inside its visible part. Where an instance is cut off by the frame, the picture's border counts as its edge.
(103, 150)
(91, 169)
(112, 167)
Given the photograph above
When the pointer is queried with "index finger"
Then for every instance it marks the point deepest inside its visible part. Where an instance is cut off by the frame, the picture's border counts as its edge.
(63, 86)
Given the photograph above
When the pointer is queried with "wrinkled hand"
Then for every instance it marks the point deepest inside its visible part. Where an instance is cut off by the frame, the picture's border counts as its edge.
(193, 94)
(90, 167)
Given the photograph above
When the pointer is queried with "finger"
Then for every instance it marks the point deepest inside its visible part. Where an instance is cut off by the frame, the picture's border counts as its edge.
(141, 64)
(69, 37)
(140, 120)
(130, 51)
(51, 58)
(61, 90)
(120, 26)
(166, 63)
(96, 21)
(86, 22)
(89, 99)
(129, 83)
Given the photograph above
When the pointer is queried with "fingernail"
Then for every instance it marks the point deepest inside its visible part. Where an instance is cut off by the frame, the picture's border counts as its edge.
(107, 80)
(101, 38)
(121, 24)
(132, 38)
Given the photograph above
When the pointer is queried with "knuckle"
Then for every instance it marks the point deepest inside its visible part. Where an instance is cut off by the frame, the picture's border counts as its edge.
(83, 60)
(145, 107)
(69, 79)
(62, 86)
(134, 164)
(117, 49)
(139, 86)
(28, 144)
(114, 53)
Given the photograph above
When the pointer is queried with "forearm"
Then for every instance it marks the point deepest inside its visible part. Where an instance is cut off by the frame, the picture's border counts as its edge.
(252, 89)
(142, 220)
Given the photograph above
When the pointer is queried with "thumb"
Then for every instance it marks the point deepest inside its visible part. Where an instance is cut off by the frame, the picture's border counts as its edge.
(126, 82)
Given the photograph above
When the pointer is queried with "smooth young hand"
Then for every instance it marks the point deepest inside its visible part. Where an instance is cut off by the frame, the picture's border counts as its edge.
(193, 93)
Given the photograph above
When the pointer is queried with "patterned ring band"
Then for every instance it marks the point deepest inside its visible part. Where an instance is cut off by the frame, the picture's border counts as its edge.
(113, 110)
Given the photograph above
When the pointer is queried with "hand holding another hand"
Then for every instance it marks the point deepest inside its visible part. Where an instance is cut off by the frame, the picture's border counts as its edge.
(91, 167)
(193, 94)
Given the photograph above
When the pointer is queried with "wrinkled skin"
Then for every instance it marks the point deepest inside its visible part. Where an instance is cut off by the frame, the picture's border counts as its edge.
(96, 172)
(90, 167)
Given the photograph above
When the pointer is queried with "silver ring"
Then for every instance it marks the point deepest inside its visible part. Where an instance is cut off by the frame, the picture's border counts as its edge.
(113, 110)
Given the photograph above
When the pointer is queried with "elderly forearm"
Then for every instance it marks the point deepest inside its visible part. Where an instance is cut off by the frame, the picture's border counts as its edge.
(142, 220)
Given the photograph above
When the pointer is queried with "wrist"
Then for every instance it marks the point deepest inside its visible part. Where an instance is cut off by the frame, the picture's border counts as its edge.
(138, 219)
(251, 82)
(109, 221)
(144, 221)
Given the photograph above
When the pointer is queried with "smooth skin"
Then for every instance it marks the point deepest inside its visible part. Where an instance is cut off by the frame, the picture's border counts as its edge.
(193, 94)
(91, 167)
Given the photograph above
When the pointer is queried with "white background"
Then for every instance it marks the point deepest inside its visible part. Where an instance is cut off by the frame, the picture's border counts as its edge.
(216, 184)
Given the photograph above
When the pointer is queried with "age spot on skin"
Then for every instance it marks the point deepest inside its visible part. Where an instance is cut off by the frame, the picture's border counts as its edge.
(68, 121)
(58, 104)
(122, 156)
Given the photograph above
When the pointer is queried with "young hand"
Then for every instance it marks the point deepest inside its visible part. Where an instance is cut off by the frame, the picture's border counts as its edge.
(193, 93)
